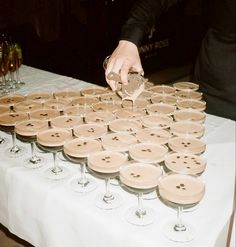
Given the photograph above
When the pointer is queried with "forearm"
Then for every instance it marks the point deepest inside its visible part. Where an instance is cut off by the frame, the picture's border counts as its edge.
(142, 17)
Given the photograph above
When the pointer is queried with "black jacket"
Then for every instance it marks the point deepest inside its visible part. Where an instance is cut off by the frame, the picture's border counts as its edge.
(144, 13)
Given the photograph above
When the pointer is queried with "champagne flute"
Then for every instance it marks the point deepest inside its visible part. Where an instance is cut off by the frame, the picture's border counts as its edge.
(106, 165)
(180, 191)
(19, 61)
(140, 178)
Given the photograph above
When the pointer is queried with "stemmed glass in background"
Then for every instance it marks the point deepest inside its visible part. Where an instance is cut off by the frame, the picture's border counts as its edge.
(10, 61)
(140, 178)
(106, 165)
(3, 66)
(180, 191)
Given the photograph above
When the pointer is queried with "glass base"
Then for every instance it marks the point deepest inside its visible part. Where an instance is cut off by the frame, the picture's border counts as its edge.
(15, 152)
(34, 163)
(111, 202)
(83, 187)
(3, 142)
(60, 173)
(179, 236)
(134, 217)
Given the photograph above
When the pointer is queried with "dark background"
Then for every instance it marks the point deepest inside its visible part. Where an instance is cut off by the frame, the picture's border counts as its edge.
(72, 37)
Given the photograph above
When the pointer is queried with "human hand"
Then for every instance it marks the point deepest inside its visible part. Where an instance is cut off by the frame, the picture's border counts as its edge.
(123, 60)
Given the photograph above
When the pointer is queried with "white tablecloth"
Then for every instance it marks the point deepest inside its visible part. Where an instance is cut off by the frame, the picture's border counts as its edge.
(49, 214)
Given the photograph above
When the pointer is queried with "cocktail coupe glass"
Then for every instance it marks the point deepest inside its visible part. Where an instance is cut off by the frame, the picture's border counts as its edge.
(140, 179)
(67, 122)
(106, 165)
(180, 191)
(27, 132)
(52, 140)
(72, 151)
(7, 123)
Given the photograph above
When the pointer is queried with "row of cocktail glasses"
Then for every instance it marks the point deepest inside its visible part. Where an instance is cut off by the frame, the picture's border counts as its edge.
(58, 139)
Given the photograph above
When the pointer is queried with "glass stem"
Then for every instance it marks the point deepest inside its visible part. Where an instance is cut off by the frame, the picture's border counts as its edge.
(179, 226)
(56, 169)
(107, 187)
(140, 211)
(108, 197)
(34, 157)
(14, 146)
(83, 180)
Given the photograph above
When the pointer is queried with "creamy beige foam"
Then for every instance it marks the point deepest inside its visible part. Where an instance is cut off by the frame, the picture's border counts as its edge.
(11, 100)
(162, 89)
(192, 104)
(30, 127)
(11, 118)
(57, 104)
(77, 110)
(90, 131)
(54, 137)
(93, 91)
(111, 96)
(67, 122)
(103, 117)
(44, 114)
(140, 175)
(81, 148)
(27, 105)
(188, 95)
(145, 94)
(130, 113)
(67, 94)
(4, 109)
(39, 96)
(189, 115)
(106, 161)
(181, 189)
(106, 106)
(157, 121)
(185, 163)
(125, 125)
(183, 128)
(148, 152)
(153, 135)
(161, 108)
(164, 98)
(189, 145)
(82, 100)
(186, 86)
(119, 142)
(138, 103)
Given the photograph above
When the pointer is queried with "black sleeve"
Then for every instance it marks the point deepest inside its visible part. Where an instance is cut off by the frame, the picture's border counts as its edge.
(142, 17)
